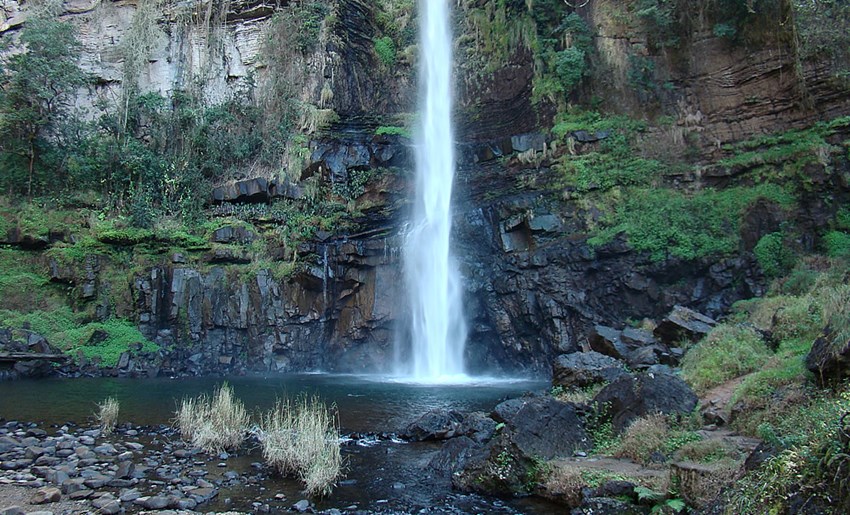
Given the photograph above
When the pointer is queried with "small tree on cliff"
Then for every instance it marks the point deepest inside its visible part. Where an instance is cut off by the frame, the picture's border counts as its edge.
(37, 90)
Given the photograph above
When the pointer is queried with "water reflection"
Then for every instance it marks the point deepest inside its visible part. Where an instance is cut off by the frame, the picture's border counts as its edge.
(365, 403)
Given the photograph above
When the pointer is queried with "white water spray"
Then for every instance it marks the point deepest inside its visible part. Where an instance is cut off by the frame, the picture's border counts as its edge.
(438, 329)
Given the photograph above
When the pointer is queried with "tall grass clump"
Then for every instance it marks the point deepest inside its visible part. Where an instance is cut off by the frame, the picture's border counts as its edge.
(301, 438)
(213, 424)
(729, 351)
(107, 414)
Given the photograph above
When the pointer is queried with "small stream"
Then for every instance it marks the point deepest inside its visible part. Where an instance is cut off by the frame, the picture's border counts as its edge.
(383, 475)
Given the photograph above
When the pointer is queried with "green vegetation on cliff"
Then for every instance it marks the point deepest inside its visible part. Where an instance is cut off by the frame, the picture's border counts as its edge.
(665, 222)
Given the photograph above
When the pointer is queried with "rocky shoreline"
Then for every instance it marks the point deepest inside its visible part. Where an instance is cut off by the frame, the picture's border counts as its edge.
(74, 469)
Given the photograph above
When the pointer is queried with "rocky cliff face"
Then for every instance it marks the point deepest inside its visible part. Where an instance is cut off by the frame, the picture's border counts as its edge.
(534, 286)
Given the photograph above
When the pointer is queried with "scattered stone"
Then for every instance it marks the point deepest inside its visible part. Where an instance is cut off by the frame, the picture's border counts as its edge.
(156, 502)
(81, 494)
(72, 485)
(46, 494)
(301, 506)
(57, 477)
(12, 510)
(129, 495)
(107, 504)
(125, 470)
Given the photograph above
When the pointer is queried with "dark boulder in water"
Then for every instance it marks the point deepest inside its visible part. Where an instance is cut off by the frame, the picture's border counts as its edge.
(443, 424)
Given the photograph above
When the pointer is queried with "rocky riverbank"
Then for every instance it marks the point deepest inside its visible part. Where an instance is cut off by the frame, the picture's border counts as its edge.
(72, 469)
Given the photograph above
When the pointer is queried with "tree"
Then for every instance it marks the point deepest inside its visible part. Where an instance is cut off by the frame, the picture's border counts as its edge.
(38, 88)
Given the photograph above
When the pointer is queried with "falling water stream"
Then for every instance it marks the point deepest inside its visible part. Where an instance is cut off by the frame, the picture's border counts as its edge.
(438, 330)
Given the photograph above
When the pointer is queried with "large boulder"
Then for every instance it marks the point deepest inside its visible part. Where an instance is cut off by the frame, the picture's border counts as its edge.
(581, 369)
(443, 424)
(634, 396)
(544, 427)
(607, 340)
(829, 359)
(683, 324)
(454, 455)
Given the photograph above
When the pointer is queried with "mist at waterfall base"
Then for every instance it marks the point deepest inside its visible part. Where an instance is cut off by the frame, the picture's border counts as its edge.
(437, 328)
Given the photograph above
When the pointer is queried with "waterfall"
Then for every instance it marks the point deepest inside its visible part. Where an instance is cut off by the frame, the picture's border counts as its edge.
(438, 330)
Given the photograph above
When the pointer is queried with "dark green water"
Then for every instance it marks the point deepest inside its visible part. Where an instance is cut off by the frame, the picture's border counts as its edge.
(365, 404)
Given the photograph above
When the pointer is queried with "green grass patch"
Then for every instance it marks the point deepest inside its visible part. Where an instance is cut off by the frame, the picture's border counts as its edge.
(594, 121)
(616, 164)
(105, 341)
(68, 332)
(666, 223)
(727, 352)
(392, 130)
(811, 464)
(785, 155)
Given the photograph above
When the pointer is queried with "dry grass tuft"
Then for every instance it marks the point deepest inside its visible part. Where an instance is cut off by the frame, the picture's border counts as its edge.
(301, 438)
(107, 414)
(645, 436)
(213, 424)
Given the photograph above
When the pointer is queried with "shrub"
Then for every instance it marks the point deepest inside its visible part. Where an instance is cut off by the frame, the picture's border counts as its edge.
(835, 304)
(773, 255)
(107, 414)
(837, 244)
(213, 424)
(385, 50)
(729, 351)
(302, 438)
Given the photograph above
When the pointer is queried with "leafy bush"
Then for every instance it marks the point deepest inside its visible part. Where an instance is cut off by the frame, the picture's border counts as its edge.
(562, 68)
(811, 465)
(727, 352)
(385, 50)
(774, 255)
(37, 97)
(837, 244)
